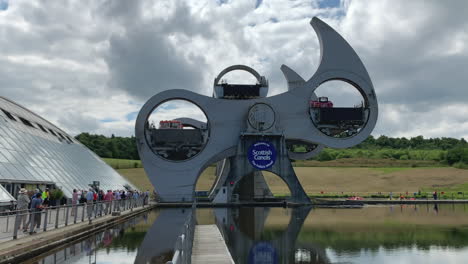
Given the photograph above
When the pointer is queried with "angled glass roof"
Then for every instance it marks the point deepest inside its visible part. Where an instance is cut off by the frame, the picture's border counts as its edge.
(5, 196)
(30, 154)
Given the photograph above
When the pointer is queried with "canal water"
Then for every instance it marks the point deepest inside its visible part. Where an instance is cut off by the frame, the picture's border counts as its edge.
(373, 234)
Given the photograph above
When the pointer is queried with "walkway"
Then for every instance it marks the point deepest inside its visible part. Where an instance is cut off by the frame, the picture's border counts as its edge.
(61, 216)
(26, 247)
(209, 246)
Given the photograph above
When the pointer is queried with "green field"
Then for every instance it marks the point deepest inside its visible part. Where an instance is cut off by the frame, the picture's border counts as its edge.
(123, 163)
(340, 180)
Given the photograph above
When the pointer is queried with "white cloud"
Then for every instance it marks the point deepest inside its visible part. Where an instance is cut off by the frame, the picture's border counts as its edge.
(88, 64)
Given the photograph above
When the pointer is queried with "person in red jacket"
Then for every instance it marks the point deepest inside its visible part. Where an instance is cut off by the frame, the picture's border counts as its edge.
(108, 199)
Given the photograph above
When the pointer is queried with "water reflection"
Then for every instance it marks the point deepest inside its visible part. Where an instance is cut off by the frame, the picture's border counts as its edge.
(385, 234)
(159, 241)
(110, 246)
(250, 241)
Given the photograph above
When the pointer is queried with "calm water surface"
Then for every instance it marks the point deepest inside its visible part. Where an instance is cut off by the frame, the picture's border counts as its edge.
(373, 234)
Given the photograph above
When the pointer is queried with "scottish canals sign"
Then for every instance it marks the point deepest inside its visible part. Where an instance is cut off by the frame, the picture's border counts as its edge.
(262, 155)
(263, 253)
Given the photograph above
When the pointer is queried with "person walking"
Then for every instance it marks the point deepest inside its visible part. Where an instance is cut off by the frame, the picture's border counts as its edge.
(108, 199)
(22, 206)
(95, 197)
(82, 195)
(100, 200)
(147, 193)
(136, 196)
(36, 208)
(75, 198)
(89, 201)
(118, 198)
(45, 197)
(123, 196)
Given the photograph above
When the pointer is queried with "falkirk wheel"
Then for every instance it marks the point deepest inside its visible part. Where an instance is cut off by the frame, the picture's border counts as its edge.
(246, 132)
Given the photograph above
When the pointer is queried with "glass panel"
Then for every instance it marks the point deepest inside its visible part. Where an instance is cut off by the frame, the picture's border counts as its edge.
(16, 174)
(8, 155)
(13, 144)
(25, 172)
(5, 173)
(5, 196)
(36, 176)
(18, 157)
(3, 158)
(5, 143)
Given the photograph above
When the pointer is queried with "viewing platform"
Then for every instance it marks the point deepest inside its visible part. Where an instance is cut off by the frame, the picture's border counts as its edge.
(209, 246)
(59, 227)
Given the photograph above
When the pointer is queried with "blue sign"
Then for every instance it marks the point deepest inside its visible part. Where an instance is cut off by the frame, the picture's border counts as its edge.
(262, 155)
(263, 253)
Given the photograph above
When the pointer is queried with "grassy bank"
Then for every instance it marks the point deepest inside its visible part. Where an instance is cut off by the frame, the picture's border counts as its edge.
(344, 162)
(123, 163)
(343, 177)
(369, 163)
(343, 182)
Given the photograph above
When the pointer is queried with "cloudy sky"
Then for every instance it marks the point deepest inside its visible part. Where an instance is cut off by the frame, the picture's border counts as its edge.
(89, 65)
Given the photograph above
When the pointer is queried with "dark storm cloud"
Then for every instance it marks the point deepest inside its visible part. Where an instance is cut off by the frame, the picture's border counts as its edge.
(144, 61)
(411, 51)
(415, 52)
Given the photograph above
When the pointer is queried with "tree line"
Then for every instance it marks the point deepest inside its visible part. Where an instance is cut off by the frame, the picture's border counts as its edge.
(110, 147)
(444, 150)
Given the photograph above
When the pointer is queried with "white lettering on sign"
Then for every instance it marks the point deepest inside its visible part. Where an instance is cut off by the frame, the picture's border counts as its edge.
(262, 154)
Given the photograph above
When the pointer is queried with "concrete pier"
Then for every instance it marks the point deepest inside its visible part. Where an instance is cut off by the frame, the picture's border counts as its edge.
(209, 246)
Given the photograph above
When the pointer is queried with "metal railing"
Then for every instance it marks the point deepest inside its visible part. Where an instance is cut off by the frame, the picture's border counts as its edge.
(90, 246)
(184, 243)
(53, 217)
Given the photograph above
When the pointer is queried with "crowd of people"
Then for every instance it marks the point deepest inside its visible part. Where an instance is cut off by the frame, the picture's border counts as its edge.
(29, 205)
(92, 195)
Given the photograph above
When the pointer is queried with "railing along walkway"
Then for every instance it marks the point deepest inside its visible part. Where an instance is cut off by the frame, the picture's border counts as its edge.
(53, 217)
(184, 243)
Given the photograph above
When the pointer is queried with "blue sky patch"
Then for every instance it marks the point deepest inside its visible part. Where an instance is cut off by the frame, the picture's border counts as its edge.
(169, 105)
(221, 2)
(329, 3)
(3, 4)
(108, 120)
(258, 3)
(131, 116)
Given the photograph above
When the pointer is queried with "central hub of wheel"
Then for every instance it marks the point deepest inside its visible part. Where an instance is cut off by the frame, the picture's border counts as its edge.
(261, 117)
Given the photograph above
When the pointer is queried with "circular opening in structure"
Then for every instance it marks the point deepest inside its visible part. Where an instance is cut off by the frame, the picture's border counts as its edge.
(177, 130)
(239, 77)
(339, 110)
(300, 147)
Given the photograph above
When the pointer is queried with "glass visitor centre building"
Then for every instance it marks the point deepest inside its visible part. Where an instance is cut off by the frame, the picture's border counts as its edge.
(34, 153)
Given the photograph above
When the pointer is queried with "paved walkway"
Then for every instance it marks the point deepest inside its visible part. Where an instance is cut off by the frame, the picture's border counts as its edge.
(56, 218)
(7, 222)
(209, 246)
(27, 244)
